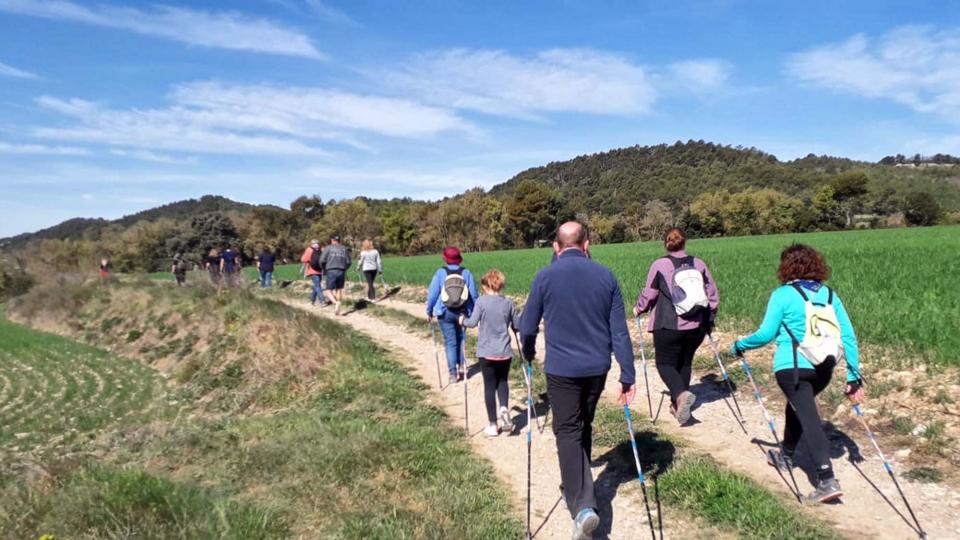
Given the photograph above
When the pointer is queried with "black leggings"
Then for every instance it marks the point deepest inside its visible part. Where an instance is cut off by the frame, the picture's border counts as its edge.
(802, 418)
(371, 291)
(495, 386)
(675, 350)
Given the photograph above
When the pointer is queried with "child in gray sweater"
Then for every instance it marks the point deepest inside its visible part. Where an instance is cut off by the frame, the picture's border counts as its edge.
(496, 315)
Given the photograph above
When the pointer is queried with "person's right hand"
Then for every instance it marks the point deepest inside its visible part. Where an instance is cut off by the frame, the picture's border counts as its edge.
(855, 392)
(430, 318)
(626, 394)
(636, 311)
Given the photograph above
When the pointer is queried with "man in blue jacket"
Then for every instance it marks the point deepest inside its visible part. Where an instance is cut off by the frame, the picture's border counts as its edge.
(582, 308)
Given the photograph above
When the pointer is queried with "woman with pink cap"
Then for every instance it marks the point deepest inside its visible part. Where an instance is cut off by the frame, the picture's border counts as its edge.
(452, 293)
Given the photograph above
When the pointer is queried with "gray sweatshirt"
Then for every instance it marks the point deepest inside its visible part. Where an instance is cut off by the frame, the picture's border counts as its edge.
(495, 314)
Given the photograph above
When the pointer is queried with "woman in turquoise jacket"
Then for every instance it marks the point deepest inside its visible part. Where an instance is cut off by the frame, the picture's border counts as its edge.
(802, 273)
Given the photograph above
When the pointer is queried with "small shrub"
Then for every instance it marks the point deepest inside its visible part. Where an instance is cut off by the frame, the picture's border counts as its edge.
(134, 335)
(902, 425)
(942, 398)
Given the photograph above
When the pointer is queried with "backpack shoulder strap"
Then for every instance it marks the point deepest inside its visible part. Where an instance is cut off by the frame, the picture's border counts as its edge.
(829, 295)
(794, 345)
(799, 289)
(688, 260)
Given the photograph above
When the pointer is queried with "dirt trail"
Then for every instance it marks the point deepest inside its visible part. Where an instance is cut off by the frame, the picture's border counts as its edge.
(622, 511)
(863, 510)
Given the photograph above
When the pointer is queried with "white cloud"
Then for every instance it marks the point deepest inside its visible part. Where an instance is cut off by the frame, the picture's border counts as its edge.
(699, 76)
(6, 70)
(499, 83)
(154, 157)
(43, 150)
(916, 66)
(326, 11)
(225, 30)
(216, 118)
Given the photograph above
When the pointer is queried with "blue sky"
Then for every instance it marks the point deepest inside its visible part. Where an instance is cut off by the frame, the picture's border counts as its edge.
(111, 107)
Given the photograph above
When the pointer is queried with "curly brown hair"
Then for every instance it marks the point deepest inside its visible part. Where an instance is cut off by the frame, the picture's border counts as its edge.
(800, 261)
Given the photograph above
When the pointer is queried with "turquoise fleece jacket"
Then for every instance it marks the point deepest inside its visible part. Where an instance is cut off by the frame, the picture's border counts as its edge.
(787, 306)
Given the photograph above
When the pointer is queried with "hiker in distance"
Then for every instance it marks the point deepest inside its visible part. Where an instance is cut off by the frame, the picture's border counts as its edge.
(803, 364)
(265, 263)
(229, 267)
(179, 269)
(582, 308)
(212, 264)
(452, 293)
(313, 271)
(682, 299)
(334, 261)
(369, 263)
(496, 315)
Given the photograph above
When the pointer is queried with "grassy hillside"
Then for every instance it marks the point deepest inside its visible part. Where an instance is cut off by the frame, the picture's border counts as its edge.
(278, 425)
(893, 282)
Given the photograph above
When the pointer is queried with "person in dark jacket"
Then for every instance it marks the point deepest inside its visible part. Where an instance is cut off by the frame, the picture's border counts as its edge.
(582, 308)
(334, 260)
(265, 263)
(675, 337)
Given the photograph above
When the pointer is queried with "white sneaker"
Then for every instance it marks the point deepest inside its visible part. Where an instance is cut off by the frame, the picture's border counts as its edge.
(505, 420)
(491, 430)
(336, 308)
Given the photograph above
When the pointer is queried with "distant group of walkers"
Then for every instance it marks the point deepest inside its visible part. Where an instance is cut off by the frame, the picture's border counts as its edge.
(580, 304)
(224, 267)
(327, 268)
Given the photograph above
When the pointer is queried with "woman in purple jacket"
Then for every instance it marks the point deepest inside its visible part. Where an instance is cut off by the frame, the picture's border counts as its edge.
(677, 336)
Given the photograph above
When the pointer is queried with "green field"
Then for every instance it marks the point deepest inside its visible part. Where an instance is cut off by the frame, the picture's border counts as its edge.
(896, 283)
(54, 391)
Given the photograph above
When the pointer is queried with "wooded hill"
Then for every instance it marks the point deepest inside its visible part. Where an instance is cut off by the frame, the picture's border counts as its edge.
(610, 182)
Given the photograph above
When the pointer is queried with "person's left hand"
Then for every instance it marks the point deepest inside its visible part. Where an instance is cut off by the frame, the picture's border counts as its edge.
(735, 350)
(626, 394)
(461, 319)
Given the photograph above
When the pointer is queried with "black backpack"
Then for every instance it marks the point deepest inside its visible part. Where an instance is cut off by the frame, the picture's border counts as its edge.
(315, 261)
(454, 292)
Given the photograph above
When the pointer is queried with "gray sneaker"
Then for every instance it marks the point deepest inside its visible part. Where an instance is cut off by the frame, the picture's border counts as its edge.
(685, 402)
(586, 522)
(827, 490)
(505, 420)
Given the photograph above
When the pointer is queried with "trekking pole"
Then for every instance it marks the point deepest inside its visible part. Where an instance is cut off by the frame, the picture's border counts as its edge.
(466, 414)
(723, 371)
(636, 460)
(643, 358)
(528, 379)
(529, 369)
(769, 419)
(436, 354)
(889, 468)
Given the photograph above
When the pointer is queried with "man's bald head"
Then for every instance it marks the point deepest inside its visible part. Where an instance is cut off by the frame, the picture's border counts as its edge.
(571, 235)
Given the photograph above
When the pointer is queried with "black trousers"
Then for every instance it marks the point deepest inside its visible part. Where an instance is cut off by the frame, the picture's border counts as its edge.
(371, 290)
(675, 350)
(802, 417)
(574, 402)
(495, 386)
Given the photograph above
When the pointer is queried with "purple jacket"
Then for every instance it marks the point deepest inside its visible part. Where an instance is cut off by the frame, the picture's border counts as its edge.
(660, 276)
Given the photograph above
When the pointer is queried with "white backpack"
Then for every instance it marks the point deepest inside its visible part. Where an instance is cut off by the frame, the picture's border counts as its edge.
(821, 333)
(454, 292)
(689, 291)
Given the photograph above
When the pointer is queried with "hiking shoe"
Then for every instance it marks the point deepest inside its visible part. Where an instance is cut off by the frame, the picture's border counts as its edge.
(827, 490)
(336, 308)
(491, 430)
(454, 378)
(685, 402)
(585, 523)
(505, 419)
(781, 461)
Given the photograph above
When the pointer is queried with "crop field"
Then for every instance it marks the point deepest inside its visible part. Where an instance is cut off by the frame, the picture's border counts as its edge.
(54, 391)
(897, 283)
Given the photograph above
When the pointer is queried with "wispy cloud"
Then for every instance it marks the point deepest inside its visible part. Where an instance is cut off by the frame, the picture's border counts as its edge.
(210, 117)
(916, 66)
(6, 70)
(500, 83)
(226, 30)
(698, 76)
(325, 11)
(153, 157)
(43, 150)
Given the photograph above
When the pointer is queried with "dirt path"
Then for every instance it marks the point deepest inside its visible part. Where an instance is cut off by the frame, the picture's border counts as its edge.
(863, 510)
(622, 513)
